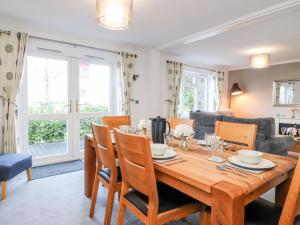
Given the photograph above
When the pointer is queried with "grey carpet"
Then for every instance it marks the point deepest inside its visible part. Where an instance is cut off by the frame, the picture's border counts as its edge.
(59, 200)
(56, 169)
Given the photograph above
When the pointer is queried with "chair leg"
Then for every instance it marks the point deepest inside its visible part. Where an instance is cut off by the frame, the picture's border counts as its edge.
(94, 197)
(119, 195)
(205, 218)
(109, 204)
(121, 212)
(4, 189)
(29, 174)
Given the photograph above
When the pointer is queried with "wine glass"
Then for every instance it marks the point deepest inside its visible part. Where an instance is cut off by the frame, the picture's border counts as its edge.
(283, 130)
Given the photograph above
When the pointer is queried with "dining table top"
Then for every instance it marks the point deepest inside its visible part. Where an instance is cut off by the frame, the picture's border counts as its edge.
(196, 169)
(193, 167)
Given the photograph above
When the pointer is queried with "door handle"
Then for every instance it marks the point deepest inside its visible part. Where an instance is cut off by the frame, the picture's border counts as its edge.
(70, 106)
(77, 106)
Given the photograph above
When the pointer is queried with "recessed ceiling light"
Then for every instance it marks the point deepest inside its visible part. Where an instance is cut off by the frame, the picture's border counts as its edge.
(114, 14)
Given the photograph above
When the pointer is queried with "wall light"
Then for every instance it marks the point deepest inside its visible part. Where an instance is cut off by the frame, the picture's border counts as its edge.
(235, 90)
(114, 14)
(259, 61)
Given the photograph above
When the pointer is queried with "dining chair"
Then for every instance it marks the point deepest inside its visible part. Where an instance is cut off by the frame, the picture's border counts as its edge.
(262, 211)
(115, 121)
(177, 121)
(151, 202)
(243, 135)
(107, 172)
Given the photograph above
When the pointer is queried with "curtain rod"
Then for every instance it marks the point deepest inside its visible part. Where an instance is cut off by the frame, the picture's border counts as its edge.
(199, 67)
(4, 32)
(75, 45)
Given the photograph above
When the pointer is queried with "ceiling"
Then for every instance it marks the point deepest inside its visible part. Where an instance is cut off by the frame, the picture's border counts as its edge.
(157, 22)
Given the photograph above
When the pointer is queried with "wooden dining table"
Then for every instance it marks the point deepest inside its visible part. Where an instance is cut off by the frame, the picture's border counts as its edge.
(226, 192)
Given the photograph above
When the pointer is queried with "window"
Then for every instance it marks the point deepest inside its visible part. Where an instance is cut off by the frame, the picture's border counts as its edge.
(196, 93)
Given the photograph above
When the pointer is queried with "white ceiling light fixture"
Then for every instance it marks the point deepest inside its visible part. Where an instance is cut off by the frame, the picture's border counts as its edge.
(114, 14)
(259, 61)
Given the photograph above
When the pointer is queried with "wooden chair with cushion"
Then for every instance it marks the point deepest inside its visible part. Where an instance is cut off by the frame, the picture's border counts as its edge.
(107, 171)
(177, 121)
(243, 135)
(151, 202)
(115, 121)
(262, 212)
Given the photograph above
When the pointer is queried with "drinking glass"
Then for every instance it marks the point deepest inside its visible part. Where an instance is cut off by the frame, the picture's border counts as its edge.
(210, 140)
(218, 157)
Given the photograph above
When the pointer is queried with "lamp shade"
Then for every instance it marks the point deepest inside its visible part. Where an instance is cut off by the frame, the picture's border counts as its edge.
(114, 14)
(236, 90)
(259, 61)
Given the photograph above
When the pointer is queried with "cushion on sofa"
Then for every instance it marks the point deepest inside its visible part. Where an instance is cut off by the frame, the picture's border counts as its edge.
(206, 118)
(13, 164)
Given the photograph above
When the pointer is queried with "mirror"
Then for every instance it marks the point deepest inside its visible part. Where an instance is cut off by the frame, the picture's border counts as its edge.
(286, 93)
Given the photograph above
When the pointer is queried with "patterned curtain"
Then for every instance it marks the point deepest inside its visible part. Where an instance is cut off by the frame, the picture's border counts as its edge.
(174, 70)
(128, 67)
(12, 52)
(219, 79)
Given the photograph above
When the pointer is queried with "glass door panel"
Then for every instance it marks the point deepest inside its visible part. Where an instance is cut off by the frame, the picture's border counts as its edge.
(94, 88)
(94, 94)
(48, 111)
(47, 85)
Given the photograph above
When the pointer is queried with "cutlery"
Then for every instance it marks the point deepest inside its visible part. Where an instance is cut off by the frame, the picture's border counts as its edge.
(223, 167)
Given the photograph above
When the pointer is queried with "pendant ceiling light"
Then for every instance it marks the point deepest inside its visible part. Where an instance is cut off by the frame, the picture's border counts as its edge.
(114, 14)
(259, 61)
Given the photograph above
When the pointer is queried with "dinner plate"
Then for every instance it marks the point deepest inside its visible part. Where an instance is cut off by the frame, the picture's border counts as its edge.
(170, 153)
(263, 164)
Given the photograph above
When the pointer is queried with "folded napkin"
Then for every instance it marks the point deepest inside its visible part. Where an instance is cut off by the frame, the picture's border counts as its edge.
(254, 171)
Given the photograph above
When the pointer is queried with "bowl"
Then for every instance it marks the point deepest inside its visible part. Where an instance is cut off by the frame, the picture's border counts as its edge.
(250, 156)
(159, 149)
(124, 128)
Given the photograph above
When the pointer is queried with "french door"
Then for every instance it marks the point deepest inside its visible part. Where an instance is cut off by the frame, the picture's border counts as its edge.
(61, 96)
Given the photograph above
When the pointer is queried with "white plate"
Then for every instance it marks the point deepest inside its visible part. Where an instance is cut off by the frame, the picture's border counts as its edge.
(264, 163)
(170, 153)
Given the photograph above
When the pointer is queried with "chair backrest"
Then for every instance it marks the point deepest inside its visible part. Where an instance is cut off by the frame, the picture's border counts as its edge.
(104, 147)
(238, 133)
(291, 204)
(177, 121)
(115, 121)
(136, 163)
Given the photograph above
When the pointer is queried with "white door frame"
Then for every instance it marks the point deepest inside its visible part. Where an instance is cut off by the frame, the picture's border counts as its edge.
(72, 117)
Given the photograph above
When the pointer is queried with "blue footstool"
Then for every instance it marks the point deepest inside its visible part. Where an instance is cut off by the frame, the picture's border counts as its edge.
(11, 165)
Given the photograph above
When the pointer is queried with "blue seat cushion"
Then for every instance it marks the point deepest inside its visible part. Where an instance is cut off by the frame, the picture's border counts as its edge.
(263, 212)
(168, 198)
(13, 164)
(105, 174)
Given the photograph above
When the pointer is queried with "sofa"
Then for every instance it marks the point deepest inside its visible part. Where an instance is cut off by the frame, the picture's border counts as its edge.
(266, 140)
